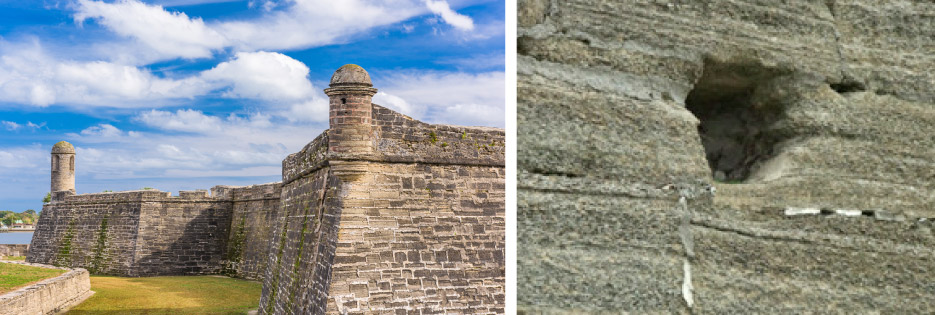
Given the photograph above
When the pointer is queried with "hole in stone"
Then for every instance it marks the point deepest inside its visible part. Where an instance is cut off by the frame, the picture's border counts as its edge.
(343, 101)
(735, 107)
(848, 87)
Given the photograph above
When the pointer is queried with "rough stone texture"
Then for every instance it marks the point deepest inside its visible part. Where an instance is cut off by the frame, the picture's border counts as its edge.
(302, 248)
(421, 237)
(63, 168)
(396, 216)
(148, 232)
(73, 232)
(255, 210)
(63, 147)
(380, 213)
(13, 250)
(611, 95)
(397, 237)
(182, 237)
(349, 75)
(49, 296)
(399, 138)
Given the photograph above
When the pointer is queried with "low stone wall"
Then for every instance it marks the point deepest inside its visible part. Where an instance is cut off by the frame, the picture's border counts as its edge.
(13, 250)
(49, 296)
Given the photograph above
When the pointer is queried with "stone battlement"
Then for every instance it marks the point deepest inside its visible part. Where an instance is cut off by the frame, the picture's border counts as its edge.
(401, 139)
(216, 194)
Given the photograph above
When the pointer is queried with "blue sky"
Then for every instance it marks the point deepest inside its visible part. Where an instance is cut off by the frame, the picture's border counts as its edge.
(188, 94)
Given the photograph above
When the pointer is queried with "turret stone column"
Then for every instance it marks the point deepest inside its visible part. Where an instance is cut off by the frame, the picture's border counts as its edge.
(351, 111)
(63, 170)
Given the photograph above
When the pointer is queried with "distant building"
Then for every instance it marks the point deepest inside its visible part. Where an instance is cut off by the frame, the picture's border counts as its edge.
(19, 225)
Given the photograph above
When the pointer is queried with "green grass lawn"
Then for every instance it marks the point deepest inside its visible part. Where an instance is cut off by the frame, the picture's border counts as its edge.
(13, 276)
(170, 295)
(16, 258)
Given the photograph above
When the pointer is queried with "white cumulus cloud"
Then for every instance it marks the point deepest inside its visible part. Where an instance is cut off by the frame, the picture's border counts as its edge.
(25, 157)
(31, 77)
(395, 103)
(190, 120)
(300, 24)
(313, 110)
(102, 130)
(262, 75)
(182, 120)
(166, 32)
(446, 97)
(459, 21)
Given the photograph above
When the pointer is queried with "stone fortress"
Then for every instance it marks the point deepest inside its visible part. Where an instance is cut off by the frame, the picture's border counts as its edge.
(726, 156)
(380, 213)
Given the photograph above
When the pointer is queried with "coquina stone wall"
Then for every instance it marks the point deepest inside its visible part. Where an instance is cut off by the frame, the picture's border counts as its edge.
(13, 250)
(255, 211)
(397, 236)
(148, 232)
(182, 236)
(380, 213)
(405, 218)
(303, 248)
(421, 237)
(726, 156)
(98, 232)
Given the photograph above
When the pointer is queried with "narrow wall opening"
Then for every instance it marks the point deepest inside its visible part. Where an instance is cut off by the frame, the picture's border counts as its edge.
(733, 103)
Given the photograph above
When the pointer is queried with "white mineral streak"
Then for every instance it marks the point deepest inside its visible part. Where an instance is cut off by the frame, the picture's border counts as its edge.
(688, 243)
(848, 212)
(687, 283)
(790, 211)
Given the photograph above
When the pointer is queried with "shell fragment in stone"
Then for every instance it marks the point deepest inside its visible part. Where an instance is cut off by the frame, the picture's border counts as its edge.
(791, 211)
(848, 212)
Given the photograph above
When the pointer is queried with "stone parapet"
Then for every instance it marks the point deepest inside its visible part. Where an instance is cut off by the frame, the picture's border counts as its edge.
(401, 139)
(49, 296)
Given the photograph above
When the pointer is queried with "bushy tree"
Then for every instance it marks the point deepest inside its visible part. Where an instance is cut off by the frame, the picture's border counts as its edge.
(48, 198)
(8, 217)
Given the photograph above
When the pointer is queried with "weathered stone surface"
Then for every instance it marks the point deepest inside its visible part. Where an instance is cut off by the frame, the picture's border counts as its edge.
(13, 250)
(63, 169)
(804, 104)
(400, 217)
(350, 74)
(380, 213)
(49, 296)
(149, 233)
(63, 147)
(255, 210)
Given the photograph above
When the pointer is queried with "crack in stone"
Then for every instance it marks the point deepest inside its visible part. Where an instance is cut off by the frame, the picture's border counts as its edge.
(837, 37)
(825, 241)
